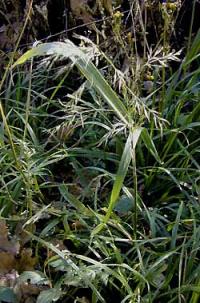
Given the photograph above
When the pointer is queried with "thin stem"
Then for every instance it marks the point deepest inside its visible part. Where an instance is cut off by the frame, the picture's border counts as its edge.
(191, 26)
(135, 193)
(9, 137)
(16, 47)
(28, 100)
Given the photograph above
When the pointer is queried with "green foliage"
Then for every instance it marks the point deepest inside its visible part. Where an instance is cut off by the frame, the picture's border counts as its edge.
(108, 176)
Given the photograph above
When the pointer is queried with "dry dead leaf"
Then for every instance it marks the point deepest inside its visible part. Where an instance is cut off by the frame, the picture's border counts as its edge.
(6, 245)
(3, 230)
(81, 10)
(7, 262)
(26, 262)
(25, 291)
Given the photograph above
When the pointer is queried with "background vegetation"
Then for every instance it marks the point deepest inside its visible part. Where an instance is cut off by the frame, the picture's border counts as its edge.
(99, 151)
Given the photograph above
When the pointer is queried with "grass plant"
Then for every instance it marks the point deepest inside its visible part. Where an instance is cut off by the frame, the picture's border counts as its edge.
(104, 178)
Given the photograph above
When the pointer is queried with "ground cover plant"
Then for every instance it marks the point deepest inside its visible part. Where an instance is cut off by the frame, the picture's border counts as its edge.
(99, 144)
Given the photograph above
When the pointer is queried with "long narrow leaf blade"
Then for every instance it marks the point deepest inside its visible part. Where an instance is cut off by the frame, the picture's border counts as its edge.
(123, 168)
(73, 200)
(149, 144)
(121, 174)
(84, 64)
